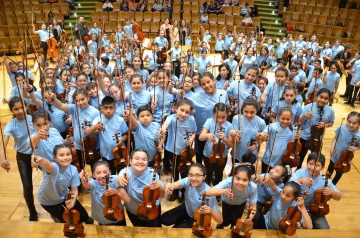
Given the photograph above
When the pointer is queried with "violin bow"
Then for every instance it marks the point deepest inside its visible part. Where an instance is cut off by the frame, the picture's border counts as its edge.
(163, 100)
(101, 43)
(81, 138)
(73, 50)
(217, 111)
(239, 109)
(174, 155)
(129, 133)
(155, 80)
(2, 136)
(272, 150)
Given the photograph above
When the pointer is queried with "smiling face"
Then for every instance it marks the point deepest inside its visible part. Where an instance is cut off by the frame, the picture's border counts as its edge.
(183, 111)
(287, 195)
(353, 123)
(82, 101)
(101, 171)
(63, 157)
(322, 99)
(136, 62)
(314, 172)
(276, 173)
(115, 92)
(285, 119)
(86, 69)
(196, 176)
(139, 161)
(18, 111)
(81, 81)
(136, 84)
(224, 72)
(208, 84)
(241, 180)
(250, 76)
(249, 112)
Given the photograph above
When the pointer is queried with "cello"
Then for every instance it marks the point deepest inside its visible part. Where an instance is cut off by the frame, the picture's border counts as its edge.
(291, 156)
(346, 156)
(314, 143)
(293, 216)
(321, 207)
(202, 225)
(120, 153)
(112, 210)
(243, 227)
(148, 210)
(186, 155)
(70, 132)
(136, 28)
(90, 147)
(72, 227)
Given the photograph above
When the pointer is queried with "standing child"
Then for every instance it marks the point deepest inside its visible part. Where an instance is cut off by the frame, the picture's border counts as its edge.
(44, 36)
(235, 192)
(342, 142)
(331, 80)
(17, 127)
(177, 126)
(224, 79)
(312, 179)
(59, 176)
(216, 129)
(106, 126)
(183, 215)
(134, 179)
(96, 186)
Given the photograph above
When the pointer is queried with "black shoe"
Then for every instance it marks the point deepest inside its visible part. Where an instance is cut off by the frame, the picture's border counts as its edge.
(90, 221)
(55, 219)
(33, 217)
(348, 103)
(343, 96)
(173, 197)
(180, 200)
(352, 106)
(219, 226)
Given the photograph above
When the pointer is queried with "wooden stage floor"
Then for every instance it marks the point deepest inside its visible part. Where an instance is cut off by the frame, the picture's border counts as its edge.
(343, 218)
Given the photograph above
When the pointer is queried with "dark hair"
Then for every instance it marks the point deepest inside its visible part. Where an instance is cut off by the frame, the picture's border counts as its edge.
(300, 87)
(63, 70)
(107, 100)
(319, 61)
(289, 88)
(295, 187)
(227, 67)
(198, 165)
(284, 173)
(60, 146)
(90, 85)
(314, 156)
(323, 90)
(105, 60)
(141, 60)
(242, 168)
(285, 109)
(144, 108)
(220, 107)
(138, 150)
(264, 48)
(354, 114)
(80, 91)
(207, 74)
(250, 102)
(14, 100)
(283, 69)
(167, 73)
(253, 67)
(263, 78)
(293, 67)
(333, 64)
(81, 74)
(98, 163)
(320, 70)
(185, 102)
(53, 90)
(40, 114)
(136, 76)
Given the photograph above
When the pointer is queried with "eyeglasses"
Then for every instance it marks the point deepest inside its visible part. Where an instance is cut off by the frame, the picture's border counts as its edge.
(196, 176)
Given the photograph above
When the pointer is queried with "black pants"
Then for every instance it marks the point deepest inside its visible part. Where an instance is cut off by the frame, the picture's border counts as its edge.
(58, 210)
(213, 169)
(338, 174)
(45, 49)
(176, 68)
(81, 161)
(353, 91)
(231, 213)
(119, 223)
(257, 217)
(264, 168)
(199, 149)
(136, 221)
(177, 217)
(348, 80)
(25, 170)
(168, 156)
(303, 152)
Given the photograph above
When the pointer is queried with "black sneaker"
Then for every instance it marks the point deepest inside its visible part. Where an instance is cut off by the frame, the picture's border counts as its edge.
(343, 96)
(173, 198)
(33, 217)
(347, 103)
(219, 226)
(90, 221)
(352, 106)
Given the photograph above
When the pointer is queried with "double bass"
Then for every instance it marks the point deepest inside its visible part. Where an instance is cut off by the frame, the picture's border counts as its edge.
(244, 227)
(321, 207)
(186, 155)
(293, 216)
(73, 226)
(148, 210)
(202, 225)
(112, 210)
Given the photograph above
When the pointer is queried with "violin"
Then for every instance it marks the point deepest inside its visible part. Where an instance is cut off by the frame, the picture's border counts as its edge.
(186, 156)
(90, 148)
(53, 50)
(218, 151)
(291, 156)
(320, 206)
(202, 225)
(267, 206)
(231, 112)
(314, 142)
(112, 210)
(120, 154)
(346, 156)
(70, 132)
(32, 108)
(243, 227)
(293, 216)
(72, 227)
(86, 39)
(157, 158)
(148, 210)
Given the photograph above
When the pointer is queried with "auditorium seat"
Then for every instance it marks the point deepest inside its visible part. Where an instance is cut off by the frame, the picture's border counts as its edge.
(65, 9)
(328, 30)
(4, 45)
(187, 8)
(337, 32)
(221, 19)
(11, 19)
(3, 30)
(155, 26)
(212, 19)
(40, 18)
(313, 19)
(36, 8)
(121, 16)
(318, 29)
(56, 7)
(187, 17)
(164, 15)
(229, 20)
(139, 16)
(103, 16)
(116, 6)
(147, 16)
(334, 11)
(176, 15)
(236, 11)
(113, 16)
(156, 16)
(322, 20)
(146, 26)
(195, 28)
(228, 10)
(95, 16)
(13, 30)
(195, 17)
(195, 8)
(59, 17)
(20, 19)
(18, 8)
(308, 9)
(46, 7)
(300, 8)
(14, 44)
(352, 14)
